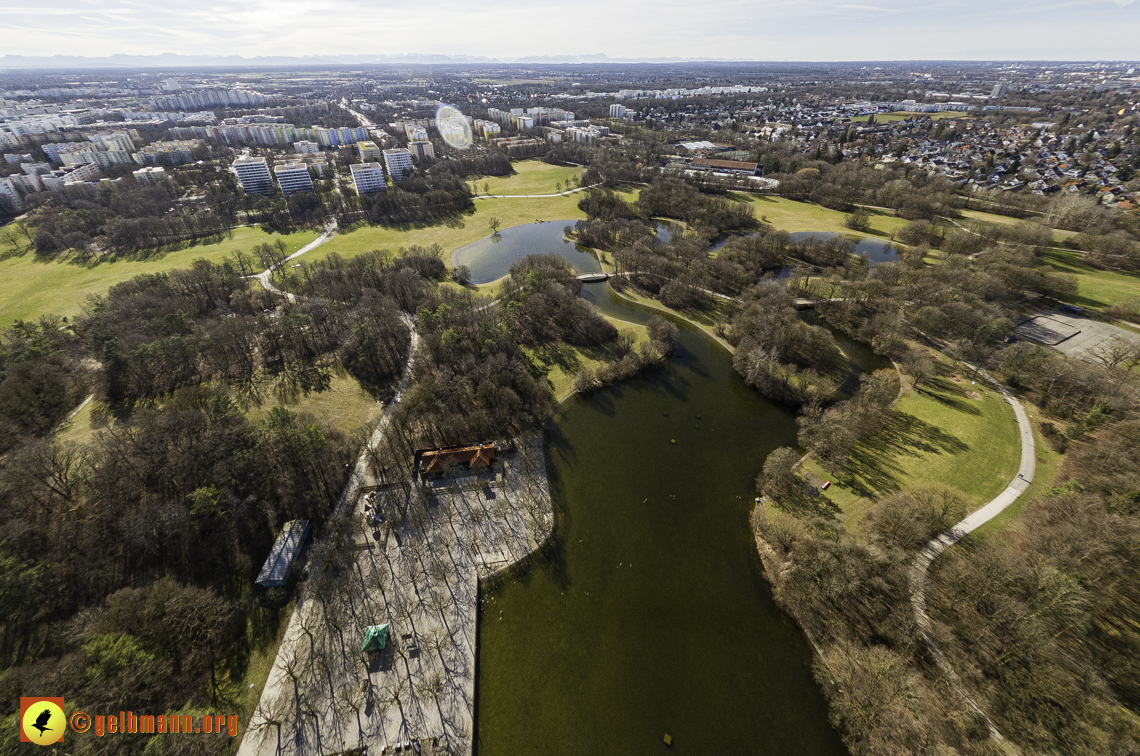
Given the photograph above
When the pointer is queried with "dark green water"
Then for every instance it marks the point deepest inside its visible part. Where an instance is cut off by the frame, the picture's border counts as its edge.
(648, 613)
(491, 257)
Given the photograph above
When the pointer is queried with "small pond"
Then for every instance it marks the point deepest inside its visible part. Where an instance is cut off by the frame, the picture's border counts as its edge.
(875, 250)
(491, 257)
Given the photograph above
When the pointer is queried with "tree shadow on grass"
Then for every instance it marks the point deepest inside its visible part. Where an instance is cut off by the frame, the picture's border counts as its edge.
(805, 504)
(570, 359)
(873, 467)
(943, 391)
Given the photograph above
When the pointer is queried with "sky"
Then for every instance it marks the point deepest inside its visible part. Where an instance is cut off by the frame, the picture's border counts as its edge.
(643, 29)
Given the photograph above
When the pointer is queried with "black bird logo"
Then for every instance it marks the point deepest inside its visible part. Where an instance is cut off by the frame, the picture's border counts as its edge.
(42, 720)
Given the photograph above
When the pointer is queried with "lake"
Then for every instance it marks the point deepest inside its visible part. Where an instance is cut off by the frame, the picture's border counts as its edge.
(491, 257)
(648, 612)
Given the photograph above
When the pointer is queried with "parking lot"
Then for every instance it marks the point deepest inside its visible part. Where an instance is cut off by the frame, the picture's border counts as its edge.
(1071, 334)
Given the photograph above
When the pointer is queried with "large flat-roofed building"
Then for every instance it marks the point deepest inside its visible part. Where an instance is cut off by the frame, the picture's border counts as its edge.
(368, 178)
(732, 166)
(293, 177)
(305, 147)
(368, 151)
(253, 173)
(398, 161)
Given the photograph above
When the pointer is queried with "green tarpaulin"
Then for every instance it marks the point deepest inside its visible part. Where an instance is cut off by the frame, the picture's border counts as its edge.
(375, 637)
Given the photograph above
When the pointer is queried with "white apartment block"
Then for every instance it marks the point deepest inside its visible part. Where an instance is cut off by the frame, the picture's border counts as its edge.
(368, 178)
(9, 191)
(617, 111)
(293, 177)
(150, 175)
(398, 161)
(114, 140)
(368, 151)
(253, 173)
(422, 149)
(306, 148)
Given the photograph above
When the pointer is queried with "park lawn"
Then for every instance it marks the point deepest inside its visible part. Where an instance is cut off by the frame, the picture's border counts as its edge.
(345, 405)
(902, 115)
(77, 430)
(455, 233)
(938, 436)
(791, 215)
(559, 362)
(706, 320)
(1059, 234)
(1095, 288)
(1048, 461)
(489, 289)
(32, 287)
(530, 177)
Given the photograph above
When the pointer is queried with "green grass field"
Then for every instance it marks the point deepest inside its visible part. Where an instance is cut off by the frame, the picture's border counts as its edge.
(345, 406)
(531, 177)
(33, 288)
(1095, 288)
(939, 435)
(790, 215)
(1059, 235)
(902, 115)
(560, 362)
(454, 234)
(1047, 463)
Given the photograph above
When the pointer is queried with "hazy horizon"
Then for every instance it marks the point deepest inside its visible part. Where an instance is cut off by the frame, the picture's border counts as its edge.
(506, 30)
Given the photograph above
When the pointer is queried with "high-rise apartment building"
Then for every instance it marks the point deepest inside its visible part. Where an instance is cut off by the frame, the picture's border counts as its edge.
(293, 177)
(422, 149)
(253, 173)
(367, 177)
(398, 161)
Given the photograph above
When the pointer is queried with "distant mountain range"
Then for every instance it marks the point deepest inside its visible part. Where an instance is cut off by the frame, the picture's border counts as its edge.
(172, 60)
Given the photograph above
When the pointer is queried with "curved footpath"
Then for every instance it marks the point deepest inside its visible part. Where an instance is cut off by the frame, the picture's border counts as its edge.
(936, 546)
(263, 276)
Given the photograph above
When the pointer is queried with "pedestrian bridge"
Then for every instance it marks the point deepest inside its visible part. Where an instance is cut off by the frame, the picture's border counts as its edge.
(588, 277)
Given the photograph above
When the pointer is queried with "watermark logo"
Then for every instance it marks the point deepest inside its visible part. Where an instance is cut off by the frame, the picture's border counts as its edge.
(42, 720)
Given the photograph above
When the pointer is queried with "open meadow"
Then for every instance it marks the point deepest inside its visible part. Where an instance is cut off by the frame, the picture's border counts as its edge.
(530, 177)
(951, 432)
(1096, 288)
(456, 232)
(790, 215)
(60, 285)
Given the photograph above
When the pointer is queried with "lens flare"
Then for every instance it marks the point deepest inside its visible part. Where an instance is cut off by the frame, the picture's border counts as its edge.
(453, 127)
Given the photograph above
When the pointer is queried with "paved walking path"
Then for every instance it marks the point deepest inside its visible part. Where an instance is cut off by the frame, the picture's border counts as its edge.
(260, 740)
(936, 546)
(264, 276)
